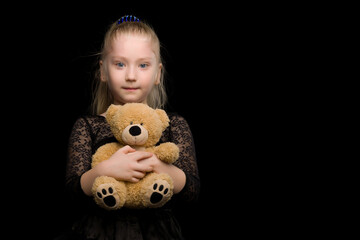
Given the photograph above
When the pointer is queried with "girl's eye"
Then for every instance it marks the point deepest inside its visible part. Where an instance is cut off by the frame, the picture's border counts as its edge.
(143, 65)
(120, 64)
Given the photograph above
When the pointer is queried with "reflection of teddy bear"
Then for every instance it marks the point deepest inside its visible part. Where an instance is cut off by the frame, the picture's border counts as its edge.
(140, 127)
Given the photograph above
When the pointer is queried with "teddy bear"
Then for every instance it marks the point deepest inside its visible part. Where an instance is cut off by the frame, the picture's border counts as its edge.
(141, 127)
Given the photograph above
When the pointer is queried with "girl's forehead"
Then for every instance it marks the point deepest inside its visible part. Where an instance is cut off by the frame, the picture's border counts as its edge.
(132, 43)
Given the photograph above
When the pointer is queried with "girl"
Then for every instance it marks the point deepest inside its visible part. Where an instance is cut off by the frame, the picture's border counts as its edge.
(130, 70)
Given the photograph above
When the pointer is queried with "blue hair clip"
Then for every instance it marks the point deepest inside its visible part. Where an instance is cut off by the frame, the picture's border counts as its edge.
(128, 18)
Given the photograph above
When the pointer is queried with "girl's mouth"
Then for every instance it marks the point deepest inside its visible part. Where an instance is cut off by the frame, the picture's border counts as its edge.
(130, 89)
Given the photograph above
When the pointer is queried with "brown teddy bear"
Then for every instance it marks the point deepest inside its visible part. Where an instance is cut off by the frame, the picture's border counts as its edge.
(140, 127)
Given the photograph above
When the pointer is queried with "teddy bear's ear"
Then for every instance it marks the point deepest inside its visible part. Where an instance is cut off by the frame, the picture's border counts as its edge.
(163, 117)
(110, 112)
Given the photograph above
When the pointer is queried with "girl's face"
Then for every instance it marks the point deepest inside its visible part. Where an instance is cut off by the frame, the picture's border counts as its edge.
(132, 68)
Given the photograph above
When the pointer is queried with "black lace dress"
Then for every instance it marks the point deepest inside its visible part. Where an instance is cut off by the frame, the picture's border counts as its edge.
(93, 222)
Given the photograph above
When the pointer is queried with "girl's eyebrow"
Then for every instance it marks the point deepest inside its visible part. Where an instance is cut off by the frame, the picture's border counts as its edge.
(118, 57)
(124, 58)
(145, 59)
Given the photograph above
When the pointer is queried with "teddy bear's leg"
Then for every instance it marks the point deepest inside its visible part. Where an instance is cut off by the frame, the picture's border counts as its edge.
(109, 193)
(153, 191)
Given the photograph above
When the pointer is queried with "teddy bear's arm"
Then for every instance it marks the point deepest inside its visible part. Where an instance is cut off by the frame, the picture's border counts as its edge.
(167, 152)
(105, 152)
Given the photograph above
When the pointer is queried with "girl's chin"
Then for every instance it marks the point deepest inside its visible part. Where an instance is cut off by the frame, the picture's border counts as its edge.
(132, 100)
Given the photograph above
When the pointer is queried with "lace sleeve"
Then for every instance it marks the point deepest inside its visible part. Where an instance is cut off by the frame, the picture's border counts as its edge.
(79, 156)
(182, 136)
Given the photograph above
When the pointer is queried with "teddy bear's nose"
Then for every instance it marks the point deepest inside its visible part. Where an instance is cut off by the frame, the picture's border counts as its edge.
(135, 130)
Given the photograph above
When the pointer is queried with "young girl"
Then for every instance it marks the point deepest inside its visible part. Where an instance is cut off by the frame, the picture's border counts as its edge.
(130, 70)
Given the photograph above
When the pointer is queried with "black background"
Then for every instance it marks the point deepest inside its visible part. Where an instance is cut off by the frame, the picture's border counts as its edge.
(214, 59)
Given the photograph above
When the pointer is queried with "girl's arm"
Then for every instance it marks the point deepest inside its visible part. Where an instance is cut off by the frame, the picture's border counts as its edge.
(178, 176)
(125, 165)
(78, 159)
(181, 135)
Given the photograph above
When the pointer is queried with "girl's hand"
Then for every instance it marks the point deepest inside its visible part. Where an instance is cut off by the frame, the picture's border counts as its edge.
(127, 164)
(156, 164)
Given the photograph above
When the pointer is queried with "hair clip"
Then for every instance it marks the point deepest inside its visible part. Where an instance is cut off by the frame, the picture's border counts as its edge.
(128, 18)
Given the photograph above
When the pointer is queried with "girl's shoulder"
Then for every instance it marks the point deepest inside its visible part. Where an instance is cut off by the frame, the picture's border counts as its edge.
(177, 119)
(174, 116)
(90, 121)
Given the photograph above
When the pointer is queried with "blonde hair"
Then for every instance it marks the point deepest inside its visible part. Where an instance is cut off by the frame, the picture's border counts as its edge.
(102, 97)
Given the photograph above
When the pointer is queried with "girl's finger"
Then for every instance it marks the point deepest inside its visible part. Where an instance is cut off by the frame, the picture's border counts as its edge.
(143, 168)
(138, 174)
(127, 149)
(134, 180)
(140, 155)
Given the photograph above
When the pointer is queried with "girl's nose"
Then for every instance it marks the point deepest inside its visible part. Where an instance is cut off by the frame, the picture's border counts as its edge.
(130, 74)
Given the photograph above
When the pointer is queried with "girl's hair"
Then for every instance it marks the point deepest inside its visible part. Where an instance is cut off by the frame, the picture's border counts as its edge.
(102, 98)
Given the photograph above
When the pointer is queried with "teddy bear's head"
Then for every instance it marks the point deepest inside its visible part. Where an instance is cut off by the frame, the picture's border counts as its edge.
(137, 124)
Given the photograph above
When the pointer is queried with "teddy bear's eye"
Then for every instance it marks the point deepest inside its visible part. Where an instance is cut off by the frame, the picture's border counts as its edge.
(141, 124)
(131, 123)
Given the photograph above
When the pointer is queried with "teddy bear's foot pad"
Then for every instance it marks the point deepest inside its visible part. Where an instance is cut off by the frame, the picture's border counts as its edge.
(107, 195)
(160, 193)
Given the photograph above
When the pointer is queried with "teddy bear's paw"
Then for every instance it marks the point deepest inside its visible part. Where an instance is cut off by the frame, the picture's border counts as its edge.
(107, 197)
(160, 193)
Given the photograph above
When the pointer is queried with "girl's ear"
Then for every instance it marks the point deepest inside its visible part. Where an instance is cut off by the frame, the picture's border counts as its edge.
(158, 75)
(102, 75)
